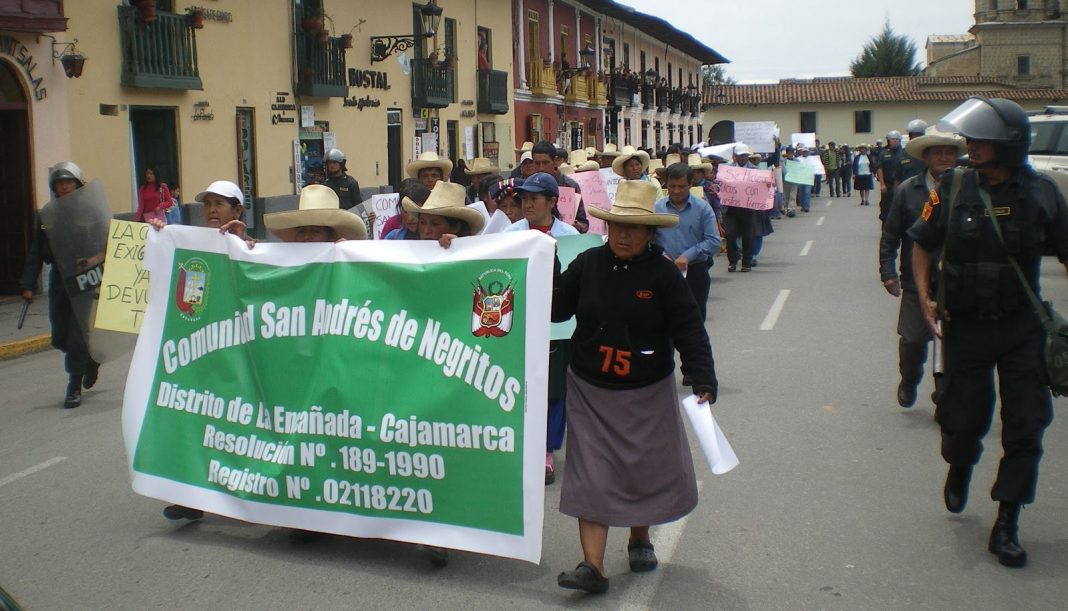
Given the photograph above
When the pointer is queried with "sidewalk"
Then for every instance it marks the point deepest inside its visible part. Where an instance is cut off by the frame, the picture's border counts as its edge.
(35, 334)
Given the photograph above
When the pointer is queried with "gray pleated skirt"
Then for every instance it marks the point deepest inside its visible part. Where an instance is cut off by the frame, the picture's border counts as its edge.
(628, 459)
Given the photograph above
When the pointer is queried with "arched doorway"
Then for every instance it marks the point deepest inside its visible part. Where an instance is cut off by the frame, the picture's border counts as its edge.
(16, 191)
(721, 133)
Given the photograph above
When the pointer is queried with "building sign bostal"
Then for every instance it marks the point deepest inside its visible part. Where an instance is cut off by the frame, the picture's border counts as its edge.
(18, 51)
(368, 79)
(280, 108)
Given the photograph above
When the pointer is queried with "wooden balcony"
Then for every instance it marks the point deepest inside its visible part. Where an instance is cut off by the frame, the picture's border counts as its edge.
(542, 79)
(598, 91)
(579, 89)
(320, 66)
(159, 55)
(493, 92)
(431, 84)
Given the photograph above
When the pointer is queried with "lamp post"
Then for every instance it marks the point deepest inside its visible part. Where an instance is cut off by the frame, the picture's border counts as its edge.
(586, 54)
(384, 46)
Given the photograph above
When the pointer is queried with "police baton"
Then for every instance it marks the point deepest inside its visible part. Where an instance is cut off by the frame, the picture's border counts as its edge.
(938, 357)
(22, 314)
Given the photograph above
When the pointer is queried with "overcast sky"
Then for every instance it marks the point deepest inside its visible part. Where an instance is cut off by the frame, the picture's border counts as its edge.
(768, 40)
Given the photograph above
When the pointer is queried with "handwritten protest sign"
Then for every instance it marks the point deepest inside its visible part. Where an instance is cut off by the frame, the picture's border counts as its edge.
(798, 173)
(384, 206)
(595, 194)
(567, 204)
(806, 139)
(814, 162)
(242, 398)
(746, 188)
(124, 289)
(759, 135)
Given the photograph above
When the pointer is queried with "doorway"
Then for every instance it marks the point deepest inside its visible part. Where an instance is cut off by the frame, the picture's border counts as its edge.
(154, 133)
(452, 130)
(395, 161)
(16, 191)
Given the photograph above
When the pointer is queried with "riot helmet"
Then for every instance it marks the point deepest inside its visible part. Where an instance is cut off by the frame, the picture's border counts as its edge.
(999, 121)
(893, 135)
(878, 143)
(337, 155)
(916, 126)
(65, 170)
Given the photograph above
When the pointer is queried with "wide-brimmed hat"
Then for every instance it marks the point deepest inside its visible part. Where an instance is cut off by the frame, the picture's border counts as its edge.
(696, 162)
(527, 146)
(481, 165)
(429, 159)
(610, 150)
(933, 137)
(657, 167)
(626, 154)
(223, 188)
(318, 207)
(580, 161)
(591, 151)
(635, 204)
(448, 199)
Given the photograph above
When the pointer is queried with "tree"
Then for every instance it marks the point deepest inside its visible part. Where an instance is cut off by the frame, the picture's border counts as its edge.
(888, 54)
(715, 75)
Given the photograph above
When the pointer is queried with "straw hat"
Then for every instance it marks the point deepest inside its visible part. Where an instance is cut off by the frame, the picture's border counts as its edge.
(591, 151)
(695, 162)
(635, 205)
(580, 161)
(447, 199)
(626, 154)
(429, 159)
(933, 137)
(656, 166)
(481, 165)
(318, 207)
(610, 150)
(527, 146)
(566, 169)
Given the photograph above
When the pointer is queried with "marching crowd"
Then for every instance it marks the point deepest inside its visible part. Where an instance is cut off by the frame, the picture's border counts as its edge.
(641, 296)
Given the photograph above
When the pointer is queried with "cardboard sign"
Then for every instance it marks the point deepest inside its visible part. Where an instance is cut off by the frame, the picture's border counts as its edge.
(804, 139)
(383, 206)
(595, 193)
(746, 188)
(124, 289)
(759, 135)
(567, 204)
(798, 173)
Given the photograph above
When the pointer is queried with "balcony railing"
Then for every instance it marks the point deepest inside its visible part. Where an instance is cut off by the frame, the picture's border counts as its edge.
(598, 90)
(431, 84)
(577, 87)
(320, 66)
(648, 100)
(622, 92)
(162, 54)
(541, 76)
(493, 92)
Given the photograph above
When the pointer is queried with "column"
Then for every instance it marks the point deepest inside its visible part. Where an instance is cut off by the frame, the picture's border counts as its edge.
(521, 19)
(552, 34)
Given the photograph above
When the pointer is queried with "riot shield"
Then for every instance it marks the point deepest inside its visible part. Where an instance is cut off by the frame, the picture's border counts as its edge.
(77, 229)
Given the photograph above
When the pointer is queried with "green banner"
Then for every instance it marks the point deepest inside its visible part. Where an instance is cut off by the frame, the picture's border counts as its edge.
(393, 390)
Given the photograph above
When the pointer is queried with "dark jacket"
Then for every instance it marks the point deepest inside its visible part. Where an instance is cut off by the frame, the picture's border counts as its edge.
(347, 189)
(631, 316)
(905, 209)
(40, 253)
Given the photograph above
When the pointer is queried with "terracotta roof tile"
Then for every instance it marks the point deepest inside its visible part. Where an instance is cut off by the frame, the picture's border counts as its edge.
(886, 89)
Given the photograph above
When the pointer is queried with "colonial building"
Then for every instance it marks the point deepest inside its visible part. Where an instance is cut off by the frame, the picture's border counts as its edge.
(852, 110)
(1019, 41)
(247, 90)
(589, 72)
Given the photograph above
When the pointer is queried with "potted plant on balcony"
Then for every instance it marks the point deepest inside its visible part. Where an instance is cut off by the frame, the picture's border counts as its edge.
(346, 41)
(148, 10)
(196, 18)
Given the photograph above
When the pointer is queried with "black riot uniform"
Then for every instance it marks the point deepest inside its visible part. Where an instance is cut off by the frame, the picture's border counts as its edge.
(987, 320)
(888, 161)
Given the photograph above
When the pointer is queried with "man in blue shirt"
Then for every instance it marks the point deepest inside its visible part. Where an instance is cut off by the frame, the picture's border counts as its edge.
(692, 243)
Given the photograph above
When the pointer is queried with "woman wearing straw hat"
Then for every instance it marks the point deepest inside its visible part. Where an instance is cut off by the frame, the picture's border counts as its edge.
(445, 216)
(318, 218)
(632, 164)
(628, 461)
(429, 169)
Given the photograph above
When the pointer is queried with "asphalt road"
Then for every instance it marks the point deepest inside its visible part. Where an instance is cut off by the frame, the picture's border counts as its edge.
(836, 504)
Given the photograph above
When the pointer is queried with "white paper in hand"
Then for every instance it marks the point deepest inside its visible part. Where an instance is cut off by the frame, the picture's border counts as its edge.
(717, 449)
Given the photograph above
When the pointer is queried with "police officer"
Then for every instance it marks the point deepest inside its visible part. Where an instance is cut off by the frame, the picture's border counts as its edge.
(82, 371)
(908, 165)
(886, 173)
(987, 320)
(346, 187)
(938, 153)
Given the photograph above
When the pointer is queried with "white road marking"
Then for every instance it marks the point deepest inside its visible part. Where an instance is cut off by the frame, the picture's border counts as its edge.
(31, 470)
(806, 248)
(820, 220)
(775, 311)
(665, 538)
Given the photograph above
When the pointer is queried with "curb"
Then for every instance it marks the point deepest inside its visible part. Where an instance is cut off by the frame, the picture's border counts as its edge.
(22, 347)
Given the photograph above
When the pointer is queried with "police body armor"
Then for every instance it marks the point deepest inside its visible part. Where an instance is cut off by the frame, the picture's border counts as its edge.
(979, 281)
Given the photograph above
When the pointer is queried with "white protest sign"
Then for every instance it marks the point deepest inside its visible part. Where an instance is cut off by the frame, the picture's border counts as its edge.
(383, 206)
(804, 139)
(759, 135)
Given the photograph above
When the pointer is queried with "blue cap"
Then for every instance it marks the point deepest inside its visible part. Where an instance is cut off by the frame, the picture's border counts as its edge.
(540, 182)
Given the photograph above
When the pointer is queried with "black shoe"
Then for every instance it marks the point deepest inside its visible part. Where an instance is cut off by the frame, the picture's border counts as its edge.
(733, 267)
(641, 556)
(746, 268)
(585, 577)
(906, 394)
(1004, 541)
(92, 372)
(956, 490)
(752, 263)
(181, 512)
(74, 394)
(791, 213)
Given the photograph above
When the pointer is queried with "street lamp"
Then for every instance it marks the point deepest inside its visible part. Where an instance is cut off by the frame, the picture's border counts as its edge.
(650, 76)
(384, 46)
(586, 54)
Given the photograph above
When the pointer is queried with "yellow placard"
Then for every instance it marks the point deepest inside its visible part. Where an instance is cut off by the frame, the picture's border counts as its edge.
(124, 290)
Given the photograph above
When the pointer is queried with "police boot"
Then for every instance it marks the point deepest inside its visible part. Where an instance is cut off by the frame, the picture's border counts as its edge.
(1004, 542)
(956, 490)
(92, 372)
(74, 393)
